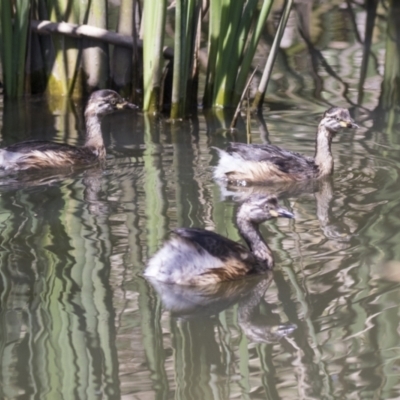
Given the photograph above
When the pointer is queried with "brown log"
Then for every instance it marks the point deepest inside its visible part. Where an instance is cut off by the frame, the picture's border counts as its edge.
(74, 30)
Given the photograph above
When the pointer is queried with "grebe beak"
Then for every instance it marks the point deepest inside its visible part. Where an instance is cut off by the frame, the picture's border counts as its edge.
(349, 124)
(126, 105)
(281, 212)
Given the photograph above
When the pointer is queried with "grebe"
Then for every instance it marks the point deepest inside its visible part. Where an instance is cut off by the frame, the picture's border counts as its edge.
(244, 164)
(200, 257)
(37, 154)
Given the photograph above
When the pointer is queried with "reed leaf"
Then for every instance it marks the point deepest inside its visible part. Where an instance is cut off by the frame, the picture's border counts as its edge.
(390, 95)
(6, 44)
(122, 63)
(14, 29)
(153, 38)
(95, 53)
(176, 108)
(258, 98)
(250, 51)
(186, 18)
(369, 29)
(245, 23)
(228, 53)
(213, 39)
(21, 24)
(232, 45)
(62, 75)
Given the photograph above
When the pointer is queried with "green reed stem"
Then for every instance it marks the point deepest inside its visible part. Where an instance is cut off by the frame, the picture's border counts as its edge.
(95, 55)
(213, 38)
(232, 46)
(177, 92)
(62, 76)
(22, 13)
(228, 53)
(122, 63)
(6, 47)
(390, 94)
(257, 102)
(14, 29)
(250, 51)
(186, 18)
(153, 40)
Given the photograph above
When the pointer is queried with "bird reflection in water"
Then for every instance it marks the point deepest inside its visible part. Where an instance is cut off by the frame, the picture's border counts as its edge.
(189, 303)
(322, 190)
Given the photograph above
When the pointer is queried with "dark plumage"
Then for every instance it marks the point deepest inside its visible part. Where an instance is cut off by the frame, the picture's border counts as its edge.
(199, 257)
(258, 163)
(37, 154)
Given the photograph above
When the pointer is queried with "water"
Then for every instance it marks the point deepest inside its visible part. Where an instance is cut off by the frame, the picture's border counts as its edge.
(77, 319)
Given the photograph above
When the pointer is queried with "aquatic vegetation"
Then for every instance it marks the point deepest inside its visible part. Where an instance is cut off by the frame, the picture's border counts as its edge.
(67, 48)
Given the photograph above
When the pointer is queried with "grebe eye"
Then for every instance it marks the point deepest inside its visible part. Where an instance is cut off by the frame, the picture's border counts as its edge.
(337, 119)
(113, 102)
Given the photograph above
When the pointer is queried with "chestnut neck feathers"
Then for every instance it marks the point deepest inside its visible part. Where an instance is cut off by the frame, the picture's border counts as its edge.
(101, 103)
(332, 122)
(94, 138)
(323, 156)
(257, 245)
(250, 215)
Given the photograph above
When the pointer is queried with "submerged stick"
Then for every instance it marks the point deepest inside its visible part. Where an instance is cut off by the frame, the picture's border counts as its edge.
(248, 120)
(235, 117)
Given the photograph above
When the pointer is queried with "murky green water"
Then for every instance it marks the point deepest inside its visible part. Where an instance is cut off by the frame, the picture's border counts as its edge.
(77, 320)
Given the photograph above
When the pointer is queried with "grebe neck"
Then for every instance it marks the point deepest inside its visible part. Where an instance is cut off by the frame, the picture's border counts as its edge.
(251, 234)
(94, 138)
(323, 155)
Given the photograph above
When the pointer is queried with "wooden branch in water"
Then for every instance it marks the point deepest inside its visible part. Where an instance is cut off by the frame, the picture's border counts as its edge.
(92, 32)
(235, 117)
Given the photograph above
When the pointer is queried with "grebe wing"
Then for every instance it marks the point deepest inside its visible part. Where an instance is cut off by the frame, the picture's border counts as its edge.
(286, 161)
(38, 145)
(262, 152)
(215, 244)
(38, 154)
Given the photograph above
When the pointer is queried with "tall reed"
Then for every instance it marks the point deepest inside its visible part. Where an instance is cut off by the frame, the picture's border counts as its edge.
(250, 50)
(262, 87)
(390, 95)
(74, 65)
(14, 18)
(60, 80)
(122, 63)
(153, 22)
(231, 46)
(186, 18)
(95, 53)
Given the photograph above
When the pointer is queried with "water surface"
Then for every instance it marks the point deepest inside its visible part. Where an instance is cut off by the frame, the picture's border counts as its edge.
(78, 320)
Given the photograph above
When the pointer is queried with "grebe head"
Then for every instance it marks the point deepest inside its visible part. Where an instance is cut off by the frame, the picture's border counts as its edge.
(103, 102)
(259, 209)
(336, 118)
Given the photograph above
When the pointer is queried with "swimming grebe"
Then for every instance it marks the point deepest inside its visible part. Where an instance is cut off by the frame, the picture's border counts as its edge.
(200, 257)
(37, 154)
(259, 163)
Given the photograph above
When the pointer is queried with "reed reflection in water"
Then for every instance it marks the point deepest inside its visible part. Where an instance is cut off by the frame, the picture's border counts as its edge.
(77, 320)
